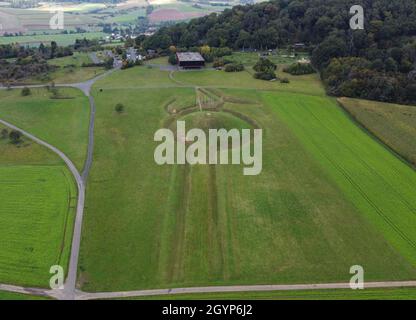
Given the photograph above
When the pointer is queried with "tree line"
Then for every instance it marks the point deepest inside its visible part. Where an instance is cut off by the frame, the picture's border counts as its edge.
(377, 63)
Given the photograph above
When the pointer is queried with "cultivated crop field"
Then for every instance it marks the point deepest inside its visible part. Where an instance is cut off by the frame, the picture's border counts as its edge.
(24, 20)
(329, 196)
(36, 213)
(394, 125)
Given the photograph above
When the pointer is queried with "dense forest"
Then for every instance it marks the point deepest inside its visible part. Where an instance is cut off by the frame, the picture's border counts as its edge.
(376, 63)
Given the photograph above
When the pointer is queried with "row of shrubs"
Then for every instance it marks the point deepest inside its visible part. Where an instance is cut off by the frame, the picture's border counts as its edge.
(14, 136)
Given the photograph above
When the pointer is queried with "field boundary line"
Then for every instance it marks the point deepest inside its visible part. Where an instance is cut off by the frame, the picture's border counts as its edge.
(241, 288)
(81, 295)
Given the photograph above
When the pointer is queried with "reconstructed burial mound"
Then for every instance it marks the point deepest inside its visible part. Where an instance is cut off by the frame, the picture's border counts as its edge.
(206, 120)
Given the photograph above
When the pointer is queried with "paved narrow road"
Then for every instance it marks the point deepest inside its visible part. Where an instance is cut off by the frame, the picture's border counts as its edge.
(80, 295)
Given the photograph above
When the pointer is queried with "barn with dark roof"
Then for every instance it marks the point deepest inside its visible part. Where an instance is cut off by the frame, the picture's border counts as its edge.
(188, 60)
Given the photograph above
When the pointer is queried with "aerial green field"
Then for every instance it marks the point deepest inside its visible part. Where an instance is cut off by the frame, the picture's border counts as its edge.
(71, 70)
(314, 211)
(308, 84)
(393, 124)
(36, 215)
(250, 58)
(126, 16)
(18, 296)
(361, 168)
(336, 294)
(62, 122)
(162, 61)
(60, 39)
(134, 78)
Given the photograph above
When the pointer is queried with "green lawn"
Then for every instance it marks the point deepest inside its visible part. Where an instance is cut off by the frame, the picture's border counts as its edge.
(377, 183)
(61, 122)
(137, 77)
(36, 213)
(162, 61)
(70, 69)
(77, 59)
(393, 124)
(308, 84)
(18, 296)
(250, 58)
(328, 197)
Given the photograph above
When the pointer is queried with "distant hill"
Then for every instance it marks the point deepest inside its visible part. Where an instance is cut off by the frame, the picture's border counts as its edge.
(376, 63)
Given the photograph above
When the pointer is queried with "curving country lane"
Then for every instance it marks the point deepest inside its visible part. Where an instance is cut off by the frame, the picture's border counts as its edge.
(76, 238)
(69, 288)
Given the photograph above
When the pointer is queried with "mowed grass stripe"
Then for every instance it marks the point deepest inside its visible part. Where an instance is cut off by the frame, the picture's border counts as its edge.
(381, 183)
(35, 222)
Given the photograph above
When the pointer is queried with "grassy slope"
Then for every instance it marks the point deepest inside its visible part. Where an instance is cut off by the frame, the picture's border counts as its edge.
(393, 124)
(36, 213)
(308, 84)
(61, 122)
(250, 58)
(379, 185)
(132, 78)
(127, 17)
(18, 296)
(125, 189)
(298, 221)
(71, 70)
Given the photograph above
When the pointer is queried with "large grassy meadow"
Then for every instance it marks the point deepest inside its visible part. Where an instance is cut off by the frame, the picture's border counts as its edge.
(393, 124)
(62, 122)
(377, 183)
(4, 295)
(328, 197)
(38, 197)
(308, 84)
(70, 69)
